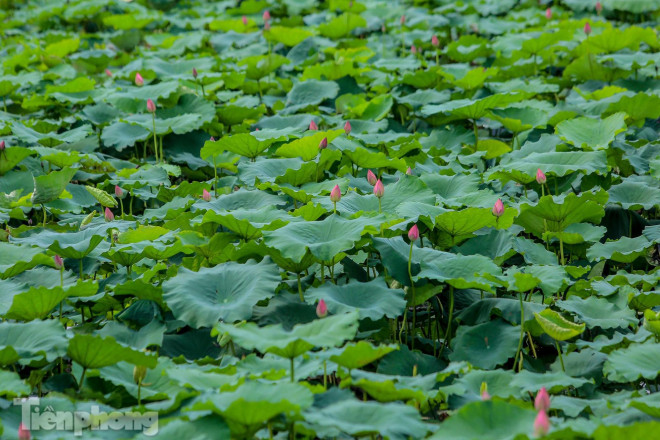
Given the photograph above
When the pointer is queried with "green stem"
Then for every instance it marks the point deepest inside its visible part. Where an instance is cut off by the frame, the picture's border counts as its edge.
(139, 399)
(121, 204)
(300, 292)
(522, 329)
(292, 370)
(153, 119)
(43, 209)
(215, 178)
(325, 375)
(451, 316)
(476, 135)
(561, 251)
(561, 359)
(335, 207)
(81, 268)
(82, 377)
(412, 286)
(379, 207)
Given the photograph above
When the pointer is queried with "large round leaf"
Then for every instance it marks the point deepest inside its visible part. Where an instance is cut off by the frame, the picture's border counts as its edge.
(486, 345)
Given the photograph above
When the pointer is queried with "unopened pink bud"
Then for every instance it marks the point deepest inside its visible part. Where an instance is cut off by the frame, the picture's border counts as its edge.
(587, 28)
(139, 81)
(542, 401)
(245, 20)
(108, 72)
(313, 126)
(2, 145)
(23, 432)
(323, 144)
(151, 107)
(266, 15)
(599, 7)
(409, 171)
(371, 178)
(413, 49)
(109, 216)
(402, 20)
(206, 196)
(379, 189)
(548, 13)
(58, 262)
(212, 139)
(541, 424)
(498, 209)
(335, 194)
(413, 233)
(485, 395)
(540, 177)
(194, 73)
(119, 192)
(434, 41)
(321, 309)
(347, 127)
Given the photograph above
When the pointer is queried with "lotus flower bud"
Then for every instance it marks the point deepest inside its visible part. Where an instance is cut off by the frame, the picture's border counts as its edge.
(599, 8)
(541, 424)
(194, 73)
(109, 216)
(23, 432)
(266, 15)
(498, 209)
(313, 126)
(402, 20)
(108, 72)
(29, 222)
(540, 177)
(245, 20)
(206, 195)
(347, 127)
(321, 309)
(548, 13)
(434, 41)
(413, 49)
(379, 189)
(542, 401)
(483, 392)
(2, 145)
(587, 28)
(413, 233)
(151, 107)
(409, 171)
(335, 194)
(371, 178)
(58, 262)
(139, 373)
(212, 139)
(323, 144)
(119, 192)
(139, 81)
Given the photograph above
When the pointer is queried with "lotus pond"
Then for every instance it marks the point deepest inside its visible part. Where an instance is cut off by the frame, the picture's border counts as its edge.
(291, 219)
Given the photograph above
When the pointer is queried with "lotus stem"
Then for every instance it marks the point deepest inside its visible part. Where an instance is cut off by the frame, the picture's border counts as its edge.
(82, 377)
(153, 119)
(412, 287)
(522, 331)
(292, 370)
(561, 359)
(43, 209)
(300, 292)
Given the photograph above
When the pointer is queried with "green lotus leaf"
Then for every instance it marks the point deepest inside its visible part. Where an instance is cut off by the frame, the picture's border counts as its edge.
(342, 25)
(12, 385)
(31, 340)
(629, 364)
(557, 326)
(623, 250)
(49, 187)
(634, 195)
(11, 157)
(591, 134)
(243, 144)
(307, 147)
(359, 354)
(460, 225)
(485, 345)
(469, 109)
(16, 259)
(38, 302)
(310, 92)
(598, 312)
(92, 351)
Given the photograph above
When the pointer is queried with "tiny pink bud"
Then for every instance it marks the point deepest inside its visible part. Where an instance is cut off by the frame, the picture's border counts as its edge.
(587, 28)
(206, 196)
(58, 262)
(335, 194)
(542, 401)
(266, 15)
(313, 126)
(109, 216)
(485, 395)
(371, 178)
(548, 13)
(409, 171)
(151, 107)
(138, 79)
(379, 189)
(119, 192)
(212, 139)
(245, 21)
(498, 209)
(599, 7)
(383, 28)
(540, 177)
(413, 49)
(402, 20)
(323, 144)
(108, 72)
(321, 309)
(29, 222)
(347, 127)
(413, 233)
(541, 424)
(434, 41)
(194, 73)
(2, 145)
(23, 432)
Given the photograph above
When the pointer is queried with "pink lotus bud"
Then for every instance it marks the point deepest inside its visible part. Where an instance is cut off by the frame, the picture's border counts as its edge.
(498, 209)
(542, 401)
(29, 222)
(402, 20)
(541, 424)
(23, 432)
(194, 73)
(119, 192)
(383, 28)
(540, 177)
(151, 107)
(347, 127)
(245, 21)
(2, 145)
(484, 395)
(212, 139)
(109, 216)
(58, 262)
(548, 13)
(413, 233)
(139, 81)
(323, 144)
(206, 195)
(409, 171)
(108, 72)
(313, 126)
(599, 7)
(267, 26)
(413, 49)
(266, 15)
(434, 41)
(587, 28)
(335, 194)
(379, 189)
(371, 178)
(321, 309)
